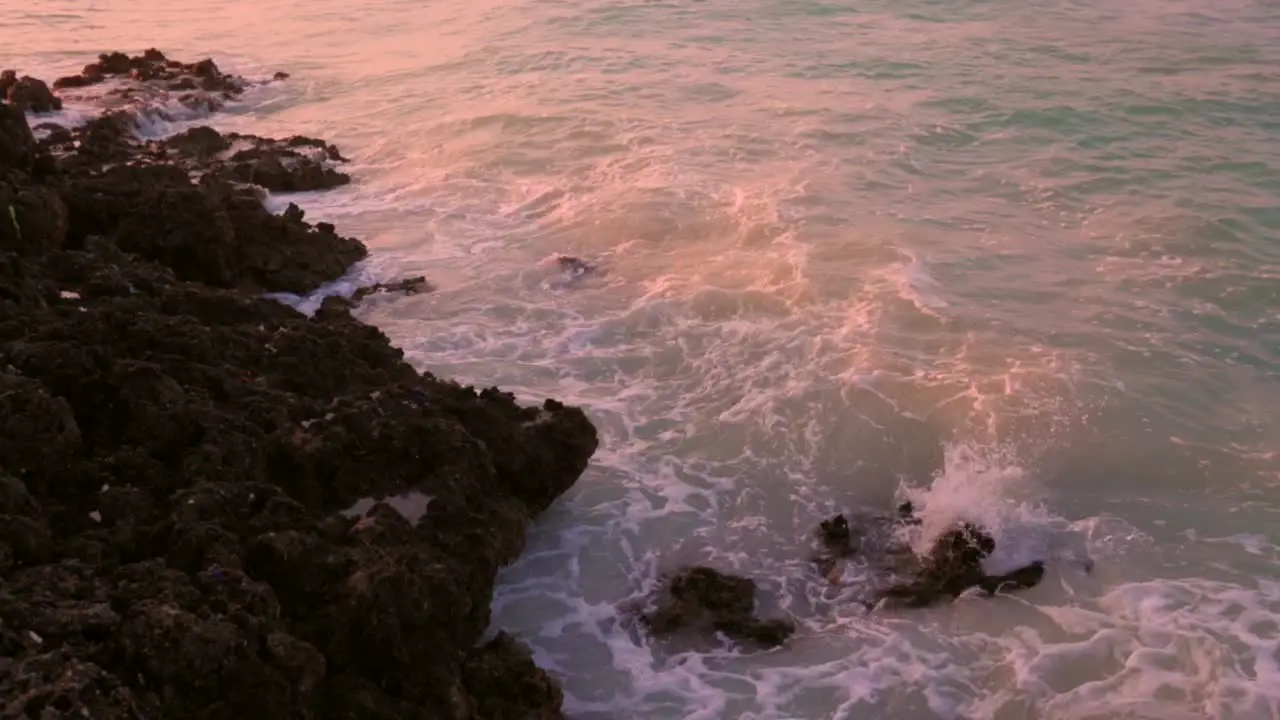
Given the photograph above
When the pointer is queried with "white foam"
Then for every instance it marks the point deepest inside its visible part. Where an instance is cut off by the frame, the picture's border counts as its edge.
(866, 664)
(1253, 543)
(374, 269)
(919, 287)
(158, 112)
(1172, 648)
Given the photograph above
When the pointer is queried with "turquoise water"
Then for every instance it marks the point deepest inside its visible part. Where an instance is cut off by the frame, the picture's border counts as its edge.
(1020, 260)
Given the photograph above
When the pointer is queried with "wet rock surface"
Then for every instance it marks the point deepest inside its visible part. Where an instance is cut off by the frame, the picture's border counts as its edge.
(952, 566)
(702, 599)
(574, 266)
(151, 76)
(837, 541)
(408, 286)
(28, 93)
(295, 164)
(176, 451)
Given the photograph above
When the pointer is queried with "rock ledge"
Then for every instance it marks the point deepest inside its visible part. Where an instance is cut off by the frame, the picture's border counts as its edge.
(176, 452)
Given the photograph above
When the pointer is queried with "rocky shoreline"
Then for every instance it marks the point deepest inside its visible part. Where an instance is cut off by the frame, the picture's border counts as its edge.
(177, 452)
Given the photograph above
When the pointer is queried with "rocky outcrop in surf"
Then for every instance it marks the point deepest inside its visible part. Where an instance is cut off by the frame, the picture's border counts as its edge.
(296, 164)
(702, 599)
(28, 93)
(408, 286)
(951, 567)
(145, 77)
(177, 453)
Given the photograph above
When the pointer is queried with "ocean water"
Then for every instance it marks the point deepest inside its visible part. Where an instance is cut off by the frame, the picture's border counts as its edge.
(1018, 260)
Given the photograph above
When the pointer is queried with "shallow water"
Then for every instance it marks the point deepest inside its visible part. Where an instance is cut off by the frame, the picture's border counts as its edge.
(1018, 260)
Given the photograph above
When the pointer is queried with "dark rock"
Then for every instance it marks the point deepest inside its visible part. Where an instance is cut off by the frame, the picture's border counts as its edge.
(836, 535)
(143, 73)
(574, 266)
(201, 142)
(39, 437)
(107, 138)
(504, 682)
(28, 539)
(8, 78)
(156, 213)
(32, 95)
(17, 143)
(766, 633)
(408, 286)
(115, 63)
(836, 540)
(1023, 578)
(963, 546)
(39, 219)
(175, 451)
(701, 598)
(55, 134)
(75, 81)
(954, 565)
(208, 233)
(296, 174)
(21, 285)
(715, 592)
(330, 151)
(154, 76)
(282, 254)
(282, 166)
(279, 166)
(59, 685)
(14, 496)
(205, 68)
(200, 664)
(33, 218)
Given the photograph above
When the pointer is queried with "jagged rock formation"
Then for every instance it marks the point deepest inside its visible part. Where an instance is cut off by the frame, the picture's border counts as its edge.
(703, 599)
(176, 451)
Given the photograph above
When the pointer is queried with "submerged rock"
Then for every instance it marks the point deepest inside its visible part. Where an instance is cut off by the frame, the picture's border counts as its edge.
(705, 600)
(836, 534)
(837, 541)
(574, 266)
(408, 286)
(176, 452)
